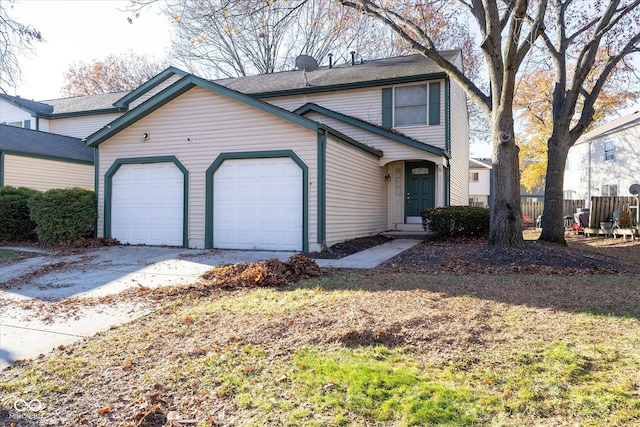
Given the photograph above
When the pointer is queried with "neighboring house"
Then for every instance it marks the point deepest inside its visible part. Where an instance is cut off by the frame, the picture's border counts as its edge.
(479, 181)
(605, 161)
(536, 195)
(42, 160)
(285, 161)
(78, 116)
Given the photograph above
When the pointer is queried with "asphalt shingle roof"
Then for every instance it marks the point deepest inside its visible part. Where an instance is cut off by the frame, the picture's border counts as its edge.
(27, 141)
(77, 104)
(377, 70)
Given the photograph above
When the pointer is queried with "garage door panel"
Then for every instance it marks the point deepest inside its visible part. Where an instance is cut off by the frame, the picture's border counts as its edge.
(258, 204)
(147, 204)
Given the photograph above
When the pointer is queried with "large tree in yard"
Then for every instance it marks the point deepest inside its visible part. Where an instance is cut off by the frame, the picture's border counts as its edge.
(534, 104)
(508, 29)
(588, 42)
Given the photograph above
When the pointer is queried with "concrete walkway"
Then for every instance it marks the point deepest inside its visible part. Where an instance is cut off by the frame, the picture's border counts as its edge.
(107, 271)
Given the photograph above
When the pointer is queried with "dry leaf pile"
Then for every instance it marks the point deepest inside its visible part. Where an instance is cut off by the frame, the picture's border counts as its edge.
(271, 273)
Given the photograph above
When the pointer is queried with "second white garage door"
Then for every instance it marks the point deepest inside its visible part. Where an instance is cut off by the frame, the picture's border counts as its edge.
(147, 204)
(258, 204)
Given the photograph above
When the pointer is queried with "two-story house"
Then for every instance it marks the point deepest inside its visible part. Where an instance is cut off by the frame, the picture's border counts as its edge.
(289, 161)
(605, 161)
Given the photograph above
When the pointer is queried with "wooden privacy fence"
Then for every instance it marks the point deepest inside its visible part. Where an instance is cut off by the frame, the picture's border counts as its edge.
(534, 209)
(602, 208)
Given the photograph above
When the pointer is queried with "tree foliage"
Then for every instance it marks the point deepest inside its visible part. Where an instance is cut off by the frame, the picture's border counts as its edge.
(589, 45)
(16, 39)
(534, 104)
(115, 73)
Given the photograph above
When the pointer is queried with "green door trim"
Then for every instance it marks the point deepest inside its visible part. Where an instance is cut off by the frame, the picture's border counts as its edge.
(108, 189)
(210, 173)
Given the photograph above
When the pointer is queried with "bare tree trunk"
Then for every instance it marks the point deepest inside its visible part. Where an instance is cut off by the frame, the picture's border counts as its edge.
(552, 216)
(506, 214)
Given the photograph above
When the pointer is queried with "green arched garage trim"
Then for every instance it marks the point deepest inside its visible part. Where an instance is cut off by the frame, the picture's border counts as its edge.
(108, 181)
(211, 170)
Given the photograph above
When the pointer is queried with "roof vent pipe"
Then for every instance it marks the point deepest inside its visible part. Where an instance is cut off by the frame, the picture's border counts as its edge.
(353, 57)
(330, 55)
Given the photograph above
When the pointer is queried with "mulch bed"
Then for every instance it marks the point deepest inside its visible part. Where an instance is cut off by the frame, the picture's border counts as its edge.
(464, 256)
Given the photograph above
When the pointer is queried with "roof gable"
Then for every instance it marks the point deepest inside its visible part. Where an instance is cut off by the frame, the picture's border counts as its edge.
(395, 136)
(147, 86)
(43, 144)
(180, 87)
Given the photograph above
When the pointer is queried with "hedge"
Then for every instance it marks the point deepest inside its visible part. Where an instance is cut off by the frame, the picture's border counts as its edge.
(63, 215)
(15, 221)
(455, 221)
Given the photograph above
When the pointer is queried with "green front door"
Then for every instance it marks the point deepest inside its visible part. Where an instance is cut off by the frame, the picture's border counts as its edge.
(419, 187)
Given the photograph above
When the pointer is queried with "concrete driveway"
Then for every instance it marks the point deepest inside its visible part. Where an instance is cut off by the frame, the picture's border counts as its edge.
(48, 279)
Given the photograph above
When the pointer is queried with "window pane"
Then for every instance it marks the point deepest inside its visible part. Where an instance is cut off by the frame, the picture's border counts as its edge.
(411, 105)
(411, 96)
(411, 116)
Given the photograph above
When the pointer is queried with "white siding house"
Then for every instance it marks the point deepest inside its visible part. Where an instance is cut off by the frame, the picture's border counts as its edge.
(605, 161)
(479, 181)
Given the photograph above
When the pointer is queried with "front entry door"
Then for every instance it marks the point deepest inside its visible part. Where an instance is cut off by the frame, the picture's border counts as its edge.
(419, 189)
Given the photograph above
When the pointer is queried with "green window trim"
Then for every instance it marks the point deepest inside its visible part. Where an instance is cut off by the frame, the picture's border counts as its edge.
(434, 107)
(210, 173)
(108, 177)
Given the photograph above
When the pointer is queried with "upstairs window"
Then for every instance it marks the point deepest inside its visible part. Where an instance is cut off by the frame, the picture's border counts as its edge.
(608, 151)
(474, 176)
(413, 105)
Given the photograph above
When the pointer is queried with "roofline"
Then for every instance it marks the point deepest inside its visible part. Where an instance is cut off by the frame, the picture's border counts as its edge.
(595, 134)
(180, 87)
(22, 107)
(372, 128)
(147, 86)
(346, 86)
(480, 163)
(350, 141)
(47, 157)
(81, 113)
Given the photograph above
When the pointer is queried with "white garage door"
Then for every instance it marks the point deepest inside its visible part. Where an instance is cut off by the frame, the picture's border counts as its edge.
(258, 205)
(147, 204)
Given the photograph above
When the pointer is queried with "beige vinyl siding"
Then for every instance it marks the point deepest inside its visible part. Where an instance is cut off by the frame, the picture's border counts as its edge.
(364, 104)
(356, 194)
(432, 135)
(42, 174)
(214, 124)
(165, 84)
(392, 150)
(82, 126)
(459, 162)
